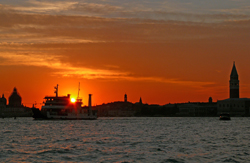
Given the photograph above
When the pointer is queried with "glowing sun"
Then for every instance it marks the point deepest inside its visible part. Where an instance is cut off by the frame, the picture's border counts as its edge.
(73, 100)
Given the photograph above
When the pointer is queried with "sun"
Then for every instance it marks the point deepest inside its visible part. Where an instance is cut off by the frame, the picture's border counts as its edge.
(73, 100)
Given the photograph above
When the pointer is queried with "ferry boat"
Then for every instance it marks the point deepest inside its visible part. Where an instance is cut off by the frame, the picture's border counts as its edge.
(61, 108)
(225, 116)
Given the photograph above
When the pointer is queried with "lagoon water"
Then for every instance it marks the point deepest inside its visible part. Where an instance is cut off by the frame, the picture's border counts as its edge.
(158, 139)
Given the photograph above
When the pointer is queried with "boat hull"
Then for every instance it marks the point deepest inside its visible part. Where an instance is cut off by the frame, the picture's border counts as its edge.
(225, 118)
(38, 115)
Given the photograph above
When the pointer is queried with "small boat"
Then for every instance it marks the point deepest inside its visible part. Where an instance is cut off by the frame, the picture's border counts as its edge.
(225, 116)
(61, 108)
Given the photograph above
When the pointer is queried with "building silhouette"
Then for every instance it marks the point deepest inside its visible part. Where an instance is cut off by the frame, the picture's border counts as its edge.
(116, 109)
(15, 99)
(210, 100)
(3, 101)
(140, 101)
(197, 108)
(234, 105)
(125, 98)
(15, 107)
(234, 83)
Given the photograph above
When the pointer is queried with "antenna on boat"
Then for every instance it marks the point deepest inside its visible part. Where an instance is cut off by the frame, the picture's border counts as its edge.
(56, 90)
(78, 90)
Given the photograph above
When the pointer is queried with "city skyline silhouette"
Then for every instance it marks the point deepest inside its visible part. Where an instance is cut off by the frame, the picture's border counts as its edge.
(164, 51)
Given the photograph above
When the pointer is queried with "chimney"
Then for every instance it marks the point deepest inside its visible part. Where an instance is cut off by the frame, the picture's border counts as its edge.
(90, 106)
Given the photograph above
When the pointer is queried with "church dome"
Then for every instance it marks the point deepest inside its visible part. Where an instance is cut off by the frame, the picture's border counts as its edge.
(15, 99)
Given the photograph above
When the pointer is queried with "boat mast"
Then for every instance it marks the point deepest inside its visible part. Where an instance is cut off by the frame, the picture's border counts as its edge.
(78, 90)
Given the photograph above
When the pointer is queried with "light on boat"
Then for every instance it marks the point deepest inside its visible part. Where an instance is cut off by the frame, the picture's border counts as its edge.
(73, 100)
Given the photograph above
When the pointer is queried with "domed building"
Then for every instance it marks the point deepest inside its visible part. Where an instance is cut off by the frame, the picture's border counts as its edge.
(15, 107)
(15, 99)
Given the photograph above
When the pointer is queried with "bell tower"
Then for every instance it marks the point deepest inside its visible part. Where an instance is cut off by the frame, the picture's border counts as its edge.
(125, 98)
(234, 83)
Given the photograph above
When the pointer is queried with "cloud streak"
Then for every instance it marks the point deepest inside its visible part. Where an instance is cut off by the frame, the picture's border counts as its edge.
(156, 11)
(93, 8)
(34, 6)
(53, 62)
(198, 84)
(67, 70)
(37, 28)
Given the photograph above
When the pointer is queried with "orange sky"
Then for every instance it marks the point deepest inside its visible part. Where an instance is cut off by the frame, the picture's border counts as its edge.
(162, 57)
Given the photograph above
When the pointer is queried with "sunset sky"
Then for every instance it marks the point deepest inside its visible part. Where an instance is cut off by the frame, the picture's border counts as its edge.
(164, 51)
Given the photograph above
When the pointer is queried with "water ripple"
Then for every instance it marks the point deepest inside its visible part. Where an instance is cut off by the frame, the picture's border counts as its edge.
(125, 140)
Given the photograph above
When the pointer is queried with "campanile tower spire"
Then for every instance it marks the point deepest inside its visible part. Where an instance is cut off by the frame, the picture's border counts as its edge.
(234, 83)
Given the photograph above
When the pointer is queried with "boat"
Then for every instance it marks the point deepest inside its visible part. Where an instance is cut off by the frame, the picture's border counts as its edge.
(61, 108)
(225, 116)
